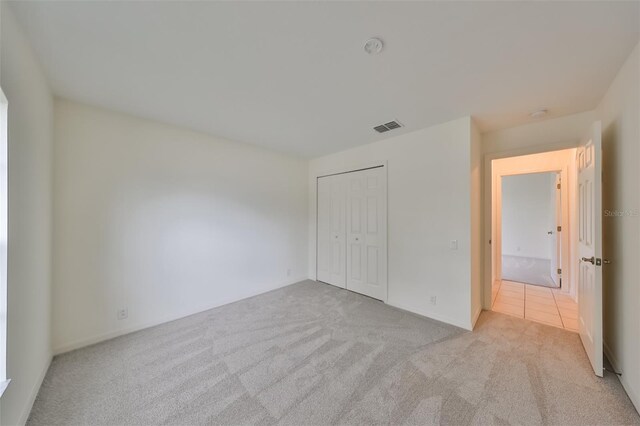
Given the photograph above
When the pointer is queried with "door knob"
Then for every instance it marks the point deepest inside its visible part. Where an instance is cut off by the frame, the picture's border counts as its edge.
(550, 232)
(591, 260)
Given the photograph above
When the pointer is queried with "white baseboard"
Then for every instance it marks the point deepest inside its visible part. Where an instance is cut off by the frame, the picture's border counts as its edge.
(432, 315)
(611, 357)
(81, 343)
(632, 393)
(475, 316)
(34, 393)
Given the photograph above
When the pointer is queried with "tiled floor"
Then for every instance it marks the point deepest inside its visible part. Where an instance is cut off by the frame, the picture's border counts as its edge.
(540, 304)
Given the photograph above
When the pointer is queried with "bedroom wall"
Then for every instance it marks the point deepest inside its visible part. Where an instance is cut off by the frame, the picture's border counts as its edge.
(619, 112)
(30, 116)
(165, 222)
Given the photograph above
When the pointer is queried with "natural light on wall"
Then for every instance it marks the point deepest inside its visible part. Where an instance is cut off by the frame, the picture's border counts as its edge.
(3, 242)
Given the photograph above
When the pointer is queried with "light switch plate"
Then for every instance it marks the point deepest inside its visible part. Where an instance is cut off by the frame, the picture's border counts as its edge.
(453, 245)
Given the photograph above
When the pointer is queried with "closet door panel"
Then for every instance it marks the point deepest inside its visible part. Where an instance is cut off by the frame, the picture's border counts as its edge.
(324, 231)
(367, 233)
(331, 230)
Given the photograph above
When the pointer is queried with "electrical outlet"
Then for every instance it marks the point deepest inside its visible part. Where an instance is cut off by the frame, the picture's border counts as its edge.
(123, 313)
(434, 300)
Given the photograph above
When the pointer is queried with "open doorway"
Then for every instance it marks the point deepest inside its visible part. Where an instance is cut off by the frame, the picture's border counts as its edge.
(531, 221)
(533, 230)
(580, 256)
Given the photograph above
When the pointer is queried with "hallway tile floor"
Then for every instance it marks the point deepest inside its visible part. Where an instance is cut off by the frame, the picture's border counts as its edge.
(535, 303)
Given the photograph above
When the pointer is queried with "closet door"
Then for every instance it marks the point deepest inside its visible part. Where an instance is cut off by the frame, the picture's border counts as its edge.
(331, 230)
(367, 232)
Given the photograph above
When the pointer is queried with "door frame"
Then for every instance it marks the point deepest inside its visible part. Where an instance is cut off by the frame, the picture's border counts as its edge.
(557, 214)
(487, 228)
(355, 168)
(499, 171)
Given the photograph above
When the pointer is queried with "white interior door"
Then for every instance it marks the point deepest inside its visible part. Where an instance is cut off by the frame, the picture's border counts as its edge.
(367, 232)
(331, 254)
(556, 214)
(590, 245)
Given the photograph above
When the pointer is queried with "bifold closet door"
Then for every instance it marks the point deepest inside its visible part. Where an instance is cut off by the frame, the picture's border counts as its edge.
(367, 232)
(332, 230)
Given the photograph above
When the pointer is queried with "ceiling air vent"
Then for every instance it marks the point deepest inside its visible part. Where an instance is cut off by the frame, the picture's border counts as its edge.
(387, 126)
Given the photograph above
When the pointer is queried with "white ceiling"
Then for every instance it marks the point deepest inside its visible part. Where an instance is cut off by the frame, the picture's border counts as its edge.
(294, 76)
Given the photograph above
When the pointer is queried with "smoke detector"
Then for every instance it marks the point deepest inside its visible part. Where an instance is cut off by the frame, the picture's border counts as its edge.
(539, 113)
(373, 46)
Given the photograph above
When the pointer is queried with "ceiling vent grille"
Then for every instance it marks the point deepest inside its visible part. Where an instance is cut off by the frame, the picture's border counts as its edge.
(387, 126)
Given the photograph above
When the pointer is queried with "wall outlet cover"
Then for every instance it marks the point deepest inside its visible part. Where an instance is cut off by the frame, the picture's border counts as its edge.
(123, 313)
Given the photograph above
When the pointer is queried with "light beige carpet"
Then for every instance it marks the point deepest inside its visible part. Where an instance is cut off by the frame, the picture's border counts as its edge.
(312, 354)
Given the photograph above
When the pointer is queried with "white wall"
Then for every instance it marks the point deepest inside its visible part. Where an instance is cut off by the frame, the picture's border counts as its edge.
(429, 204)
(538, 136)
(620, 115)
(166, 222)
(527, 207)
(30, 136)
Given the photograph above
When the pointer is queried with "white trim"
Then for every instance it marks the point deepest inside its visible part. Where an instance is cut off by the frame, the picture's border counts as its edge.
(611, 357)
(3, 386)
(81, 343)
(475, 316)
(348, 169)
(34, 393)
(4, 213)
(633, 396)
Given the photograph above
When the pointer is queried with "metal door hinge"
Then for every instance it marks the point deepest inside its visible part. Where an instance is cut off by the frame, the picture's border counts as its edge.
(558, 186)
(559, 228)
(559, 271)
